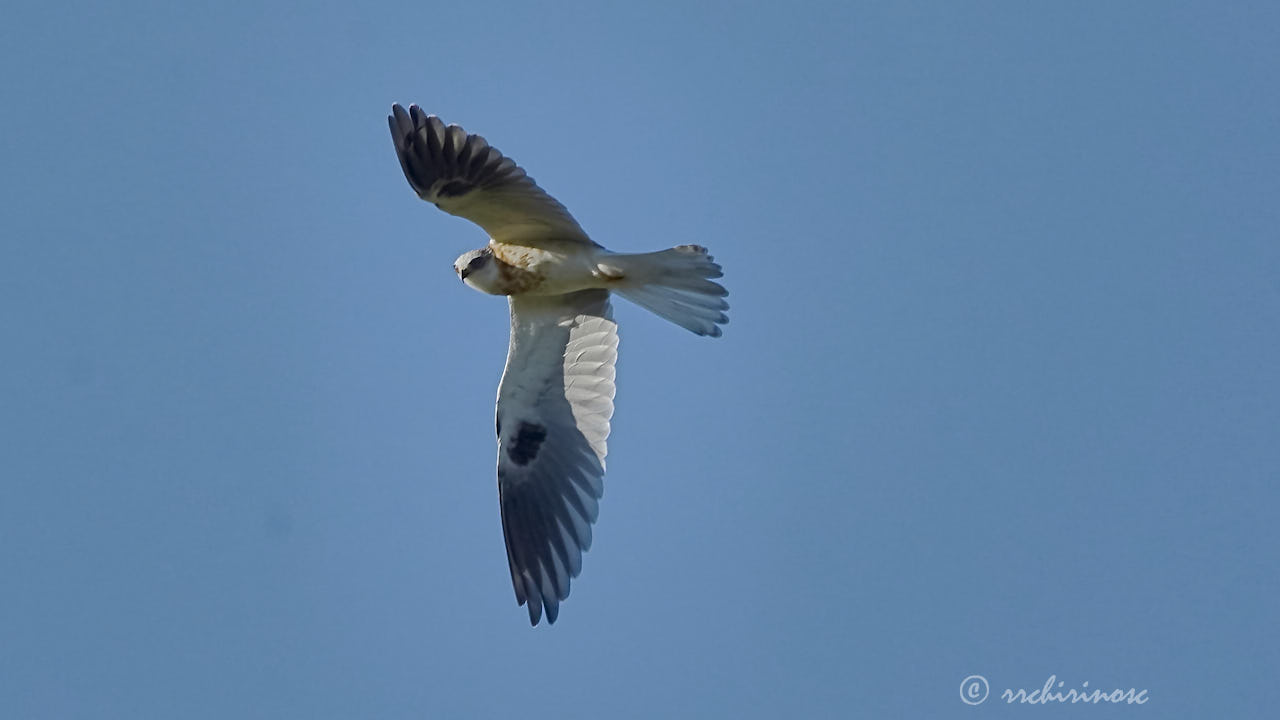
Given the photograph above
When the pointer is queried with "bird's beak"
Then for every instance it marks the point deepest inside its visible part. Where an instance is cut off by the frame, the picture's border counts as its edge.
(464, 272)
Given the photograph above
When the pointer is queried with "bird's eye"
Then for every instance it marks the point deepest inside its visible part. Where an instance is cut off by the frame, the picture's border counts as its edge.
(476, 262)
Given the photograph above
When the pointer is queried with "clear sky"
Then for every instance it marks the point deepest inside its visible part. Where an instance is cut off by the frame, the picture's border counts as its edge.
(999, 394)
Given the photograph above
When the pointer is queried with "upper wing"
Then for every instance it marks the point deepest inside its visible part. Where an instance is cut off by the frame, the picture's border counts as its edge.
(466, 177)
(554, 406)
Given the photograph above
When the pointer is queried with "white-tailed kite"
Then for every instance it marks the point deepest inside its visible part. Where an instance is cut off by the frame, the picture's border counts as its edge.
(556, 395)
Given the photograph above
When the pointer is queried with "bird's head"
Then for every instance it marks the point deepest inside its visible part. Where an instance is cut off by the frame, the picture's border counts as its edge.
(478, 269)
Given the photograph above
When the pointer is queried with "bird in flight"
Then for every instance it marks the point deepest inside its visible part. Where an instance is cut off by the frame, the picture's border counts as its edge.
(556, 395)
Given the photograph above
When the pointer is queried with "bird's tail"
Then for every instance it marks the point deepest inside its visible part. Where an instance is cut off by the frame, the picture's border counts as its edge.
(675, 284)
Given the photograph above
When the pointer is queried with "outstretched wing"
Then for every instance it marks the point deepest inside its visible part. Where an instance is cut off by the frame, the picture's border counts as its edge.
(464, 176)
(554, 406)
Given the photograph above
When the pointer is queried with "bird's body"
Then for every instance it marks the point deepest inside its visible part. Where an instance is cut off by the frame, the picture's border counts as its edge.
(556, 269)
(556, 395)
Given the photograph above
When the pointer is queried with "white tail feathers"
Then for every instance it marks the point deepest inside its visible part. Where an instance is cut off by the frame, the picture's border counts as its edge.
(675, 284)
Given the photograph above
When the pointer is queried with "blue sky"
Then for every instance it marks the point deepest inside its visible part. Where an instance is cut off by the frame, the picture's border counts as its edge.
(998, 396)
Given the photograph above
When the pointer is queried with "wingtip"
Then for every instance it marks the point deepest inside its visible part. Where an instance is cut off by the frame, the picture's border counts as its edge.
(398, 114)
(537, 610)
(406, 120)
(401, 127)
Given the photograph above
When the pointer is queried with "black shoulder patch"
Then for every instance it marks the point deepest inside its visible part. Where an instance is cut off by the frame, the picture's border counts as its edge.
(524, 448)
(454, 188)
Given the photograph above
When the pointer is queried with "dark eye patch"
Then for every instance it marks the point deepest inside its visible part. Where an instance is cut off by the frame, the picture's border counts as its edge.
(477, 261)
